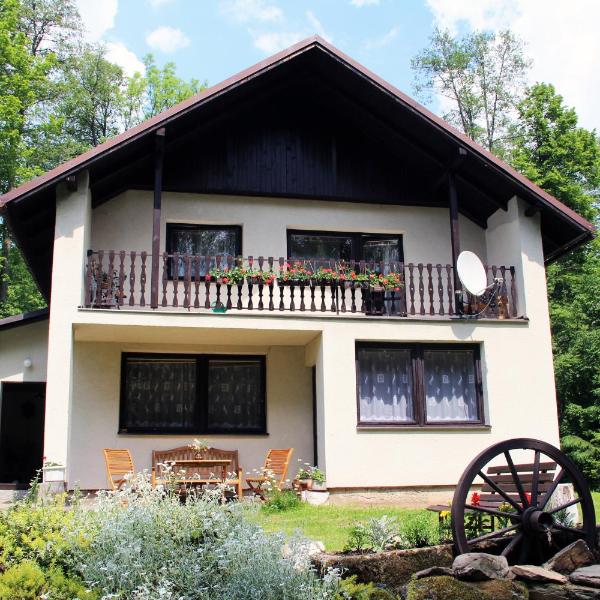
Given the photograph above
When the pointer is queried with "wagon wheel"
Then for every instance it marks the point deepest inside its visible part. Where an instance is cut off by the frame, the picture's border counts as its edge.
(505, 506)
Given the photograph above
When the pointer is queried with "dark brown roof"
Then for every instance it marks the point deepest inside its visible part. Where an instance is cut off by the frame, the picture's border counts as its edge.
(562, 228)
(24, 319)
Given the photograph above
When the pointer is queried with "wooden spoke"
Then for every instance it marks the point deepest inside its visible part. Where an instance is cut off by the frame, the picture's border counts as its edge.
(492, 511)
(500, 491)
(536, 479)
(546, 498)
(512, 545)
(579, 532)
(516, 478)
(494, 534)
(563, 506)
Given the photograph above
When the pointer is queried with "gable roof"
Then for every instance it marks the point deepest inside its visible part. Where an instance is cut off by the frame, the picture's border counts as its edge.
(568, 227)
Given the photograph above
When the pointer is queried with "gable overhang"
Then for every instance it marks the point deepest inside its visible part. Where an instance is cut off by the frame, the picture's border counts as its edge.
(485, 182)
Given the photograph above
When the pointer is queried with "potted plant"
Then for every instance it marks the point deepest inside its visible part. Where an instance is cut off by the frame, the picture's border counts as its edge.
(199, 447)
(310, 478)
(318, 479)
(52, 471)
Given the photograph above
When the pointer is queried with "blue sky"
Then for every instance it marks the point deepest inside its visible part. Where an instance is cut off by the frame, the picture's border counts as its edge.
(213, 39)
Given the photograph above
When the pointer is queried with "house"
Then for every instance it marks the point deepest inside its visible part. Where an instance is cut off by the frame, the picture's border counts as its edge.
(306, 161)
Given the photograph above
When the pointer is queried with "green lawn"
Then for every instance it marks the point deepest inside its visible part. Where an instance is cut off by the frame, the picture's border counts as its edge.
(332, 524)
(329, 524)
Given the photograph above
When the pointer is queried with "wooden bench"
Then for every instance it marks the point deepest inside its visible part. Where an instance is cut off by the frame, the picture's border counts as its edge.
(200, 475)
(502, 477)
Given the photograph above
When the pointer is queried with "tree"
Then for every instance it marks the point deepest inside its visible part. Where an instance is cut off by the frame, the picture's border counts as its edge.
(23, 79)
(146, 96)
(479, 78)
(564, 159)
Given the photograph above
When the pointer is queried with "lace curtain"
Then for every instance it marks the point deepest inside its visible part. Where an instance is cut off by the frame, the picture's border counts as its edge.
(450, 386)
(385, 385)
(161, 393)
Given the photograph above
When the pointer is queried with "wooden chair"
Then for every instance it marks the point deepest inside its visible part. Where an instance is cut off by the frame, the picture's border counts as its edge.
(200, 475)
(118, 464)
(277, 463)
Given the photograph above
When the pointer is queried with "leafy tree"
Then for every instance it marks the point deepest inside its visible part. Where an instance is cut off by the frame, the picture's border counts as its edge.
(564, 159)
(479, 77)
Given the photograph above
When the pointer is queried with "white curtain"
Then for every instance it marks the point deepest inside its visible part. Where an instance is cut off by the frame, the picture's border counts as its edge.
(385, 385)
(450, 386)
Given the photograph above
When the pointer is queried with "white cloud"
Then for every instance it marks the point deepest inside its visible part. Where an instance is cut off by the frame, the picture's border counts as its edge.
(561, 38)
(383, 40)
(167, 39)
(361, 3)
(98, 17)
(118, 53)
(317, 25)
(274, 41)
(252, 11)
(159, 3)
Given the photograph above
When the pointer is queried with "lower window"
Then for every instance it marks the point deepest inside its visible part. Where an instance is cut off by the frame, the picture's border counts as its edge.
(192, 394)
(418, 385)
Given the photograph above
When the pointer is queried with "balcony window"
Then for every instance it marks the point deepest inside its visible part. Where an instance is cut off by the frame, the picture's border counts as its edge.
(202, 240)
(329, 245)
(418, 385)
(192, 394)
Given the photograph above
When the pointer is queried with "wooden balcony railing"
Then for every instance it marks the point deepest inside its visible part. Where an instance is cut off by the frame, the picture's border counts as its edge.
(221, 284)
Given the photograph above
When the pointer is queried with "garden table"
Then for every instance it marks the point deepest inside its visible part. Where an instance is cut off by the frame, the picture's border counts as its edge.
(196, 463)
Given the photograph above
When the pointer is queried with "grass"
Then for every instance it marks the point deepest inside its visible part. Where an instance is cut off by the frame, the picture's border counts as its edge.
(331, 524)
(328, 524)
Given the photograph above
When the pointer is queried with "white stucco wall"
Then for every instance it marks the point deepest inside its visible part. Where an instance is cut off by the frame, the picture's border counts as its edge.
(95, 414)
(516, 356)
(125, 223)
(17, 344)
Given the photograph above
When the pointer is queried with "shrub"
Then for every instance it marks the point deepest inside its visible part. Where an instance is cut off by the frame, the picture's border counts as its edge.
(147, 545)
(375, 534)
(418, 530)
(280, 501)
(27, 581)
(45, 533)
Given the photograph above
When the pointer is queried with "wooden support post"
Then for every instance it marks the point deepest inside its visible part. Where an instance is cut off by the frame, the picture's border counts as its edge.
(455, 240)
(158, 174)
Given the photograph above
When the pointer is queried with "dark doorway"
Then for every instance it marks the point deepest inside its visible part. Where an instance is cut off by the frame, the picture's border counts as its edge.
(21, 432)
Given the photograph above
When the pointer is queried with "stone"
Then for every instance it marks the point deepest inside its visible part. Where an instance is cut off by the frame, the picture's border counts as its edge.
(390, 569)
(434, 572)
(589, 576)
(534, 573)
(574, 556)
(449, 588)
(478, 566)
(569, 591)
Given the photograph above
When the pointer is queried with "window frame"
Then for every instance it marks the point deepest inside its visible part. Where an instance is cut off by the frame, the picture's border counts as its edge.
(201, 408)
(419, 397)
(356, 236)
(171, 227)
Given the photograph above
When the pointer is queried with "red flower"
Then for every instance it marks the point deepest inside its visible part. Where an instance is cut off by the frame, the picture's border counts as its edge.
(528, 497)
(475, 498)
(353, 275)
(226, 280)
(207, 277)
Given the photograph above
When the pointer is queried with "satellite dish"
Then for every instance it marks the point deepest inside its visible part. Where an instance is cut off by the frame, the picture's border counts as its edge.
(471, 272)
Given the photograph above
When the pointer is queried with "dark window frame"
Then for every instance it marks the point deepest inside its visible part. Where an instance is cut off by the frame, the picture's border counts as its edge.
(357, 238)
(172, 227)
(419, 398)
(201, 409)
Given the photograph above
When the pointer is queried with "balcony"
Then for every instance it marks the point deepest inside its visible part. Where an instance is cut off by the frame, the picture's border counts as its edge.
(267, 285)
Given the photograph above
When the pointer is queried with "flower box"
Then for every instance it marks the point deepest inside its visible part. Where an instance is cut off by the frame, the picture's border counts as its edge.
(53, 473)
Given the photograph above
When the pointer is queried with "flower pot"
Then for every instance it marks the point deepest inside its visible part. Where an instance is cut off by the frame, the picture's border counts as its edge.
(319, 487)
(305, 484)
(53, 473)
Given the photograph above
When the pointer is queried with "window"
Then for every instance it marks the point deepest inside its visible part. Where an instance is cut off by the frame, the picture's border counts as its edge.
(418, 385)
(203, 240)
(192, 394)
(327, 245)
